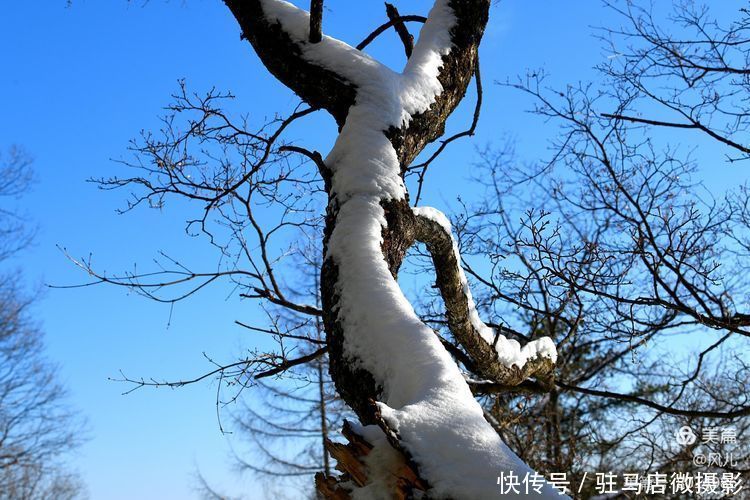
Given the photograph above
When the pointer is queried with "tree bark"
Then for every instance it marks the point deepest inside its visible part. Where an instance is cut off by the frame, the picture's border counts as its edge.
(282, 56)
(356, 386)
(367, 193)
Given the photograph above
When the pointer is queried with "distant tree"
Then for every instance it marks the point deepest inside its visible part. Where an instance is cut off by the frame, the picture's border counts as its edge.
(15, 178)
(37, 427)
(288, 422)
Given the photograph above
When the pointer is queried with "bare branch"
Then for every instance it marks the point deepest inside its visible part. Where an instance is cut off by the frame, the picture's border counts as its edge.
(316, 21)
(398, 24)
(384, 27)
(286, 364)
(742, 412)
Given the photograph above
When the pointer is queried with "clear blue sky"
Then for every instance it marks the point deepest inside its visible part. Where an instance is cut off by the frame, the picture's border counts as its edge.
(77, 84)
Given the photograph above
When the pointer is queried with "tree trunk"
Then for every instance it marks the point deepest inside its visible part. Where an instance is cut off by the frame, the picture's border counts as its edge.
(416, 410)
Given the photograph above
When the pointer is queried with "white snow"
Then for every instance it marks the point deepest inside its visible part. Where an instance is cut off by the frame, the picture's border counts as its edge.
(385, 98)
(509, 351)
(383, 464)
(425, 397)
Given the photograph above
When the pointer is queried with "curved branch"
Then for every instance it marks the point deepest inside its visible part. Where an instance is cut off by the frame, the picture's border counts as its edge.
(494, 360)
(316, 158)
(422, 167)
(383, 27)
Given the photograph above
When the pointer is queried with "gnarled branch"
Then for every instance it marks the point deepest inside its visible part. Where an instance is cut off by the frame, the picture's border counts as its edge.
(449, 281)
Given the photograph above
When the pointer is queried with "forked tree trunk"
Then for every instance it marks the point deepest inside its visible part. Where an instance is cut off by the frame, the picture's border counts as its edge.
(415, 409)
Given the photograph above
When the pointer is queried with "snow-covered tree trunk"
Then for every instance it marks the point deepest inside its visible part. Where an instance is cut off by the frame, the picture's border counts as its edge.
(409, 394)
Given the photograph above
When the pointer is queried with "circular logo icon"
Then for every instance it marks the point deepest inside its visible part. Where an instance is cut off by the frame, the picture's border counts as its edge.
(685, 436)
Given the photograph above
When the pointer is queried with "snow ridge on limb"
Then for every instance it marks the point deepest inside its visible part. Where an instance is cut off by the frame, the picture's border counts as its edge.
(281, 50)
(496, 358)
(378, 345)
(423, 399)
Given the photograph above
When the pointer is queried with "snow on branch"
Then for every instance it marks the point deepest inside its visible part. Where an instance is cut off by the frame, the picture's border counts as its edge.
(279, 34)
(495, 357)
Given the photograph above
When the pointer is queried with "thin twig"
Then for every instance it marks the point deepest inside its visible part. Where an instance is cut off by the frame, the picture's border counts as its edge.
(286, 364)
(422, 167)
(380, 29)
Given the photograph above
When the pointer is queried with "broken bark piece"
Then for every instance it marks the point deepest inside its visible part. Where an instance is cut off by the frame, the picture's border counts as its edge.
(328, 488)
(351, 461)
